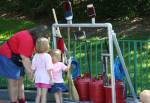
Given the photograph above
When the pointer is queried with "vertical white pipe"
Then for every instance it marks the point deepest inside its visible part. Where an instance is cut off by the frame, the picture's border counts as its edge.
(54, 36)
(69, 72)
(93, 20)
(111, 63)
(124, 66)
(68, 30)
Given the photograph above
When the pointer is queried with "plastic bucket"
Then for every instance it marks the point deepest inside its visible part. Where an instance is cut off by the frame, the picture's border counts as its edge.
(120, 96)
(97, 91)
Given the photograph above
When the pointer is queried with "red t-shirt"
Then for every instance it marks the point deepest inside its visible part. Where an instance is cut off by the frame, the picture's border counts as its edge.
(20, 43)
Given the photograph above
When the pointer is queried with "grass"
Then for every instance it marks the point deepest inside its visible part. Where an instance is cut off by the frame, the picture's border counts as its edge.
(137, 36)
(8, 27)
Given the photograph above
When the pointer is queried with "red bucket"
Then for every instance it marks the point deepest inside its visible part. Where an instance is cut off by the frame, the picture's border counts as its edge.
(120, 96)
(82, 85)
(97, 91)
(91, 88)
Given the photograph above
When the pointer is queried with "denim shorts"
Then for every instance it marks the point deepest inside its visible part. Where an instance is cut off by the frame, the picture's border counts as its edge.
(58, 87)
(10, 70)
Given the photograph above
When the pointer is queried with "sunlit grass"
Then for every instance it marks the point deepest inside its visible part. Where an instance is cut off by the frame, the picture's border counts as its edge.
(8, 27)
(137, 36)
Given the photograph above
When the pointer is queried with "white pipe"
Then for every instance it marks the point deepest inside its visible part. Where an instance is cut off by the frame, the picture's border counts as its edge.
(55, 18)
(124, 67)
(112, 64)
(69, 72)
(69, 22)
(106, 25)
(68, 30)
(54, 37)
(93, 20)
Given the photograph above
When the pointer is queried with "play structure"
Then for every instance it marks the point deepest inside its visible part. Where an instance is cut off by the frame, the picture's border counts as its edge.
(89, 88)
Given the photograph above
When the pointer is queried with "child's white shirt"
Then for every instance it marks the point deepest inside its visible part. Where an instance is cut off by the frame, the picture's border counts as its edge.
(41, 63)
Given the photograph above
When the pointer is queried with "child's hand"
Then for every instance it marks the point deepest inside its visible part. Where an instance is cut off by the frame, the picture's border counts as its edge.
(69, 61)
(32, 77)
(30, 74)
(52, 82)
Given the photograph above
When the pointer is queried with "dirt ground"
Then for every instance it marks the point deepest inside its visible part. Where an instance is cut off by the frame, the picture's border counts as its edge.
(128, 26)
(140, 25)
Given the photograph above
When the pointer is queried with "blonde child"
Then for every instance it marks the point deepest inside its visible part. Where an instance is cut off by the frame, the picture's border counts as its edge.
(58, 68)
(42, 67)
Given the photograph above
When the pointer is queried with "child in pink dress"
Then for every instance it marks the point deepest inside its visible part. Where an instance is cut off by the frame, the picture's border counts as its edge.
(42, 67)
(58, 68)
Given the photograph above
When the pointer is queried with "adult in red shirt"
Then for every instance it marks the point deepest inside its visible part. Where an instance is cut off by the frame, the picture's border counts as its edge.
(20, 46)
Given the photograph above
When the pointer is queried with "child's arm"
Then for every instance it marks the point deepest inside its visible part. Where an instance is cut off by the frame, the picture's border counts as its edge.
(51, 76)
(32, 75)
(68, 67)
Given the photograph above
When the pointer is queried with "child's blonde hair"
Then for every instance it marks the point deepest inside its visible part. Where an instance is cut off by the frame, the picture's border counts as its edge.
(56, 53)
(42, 45)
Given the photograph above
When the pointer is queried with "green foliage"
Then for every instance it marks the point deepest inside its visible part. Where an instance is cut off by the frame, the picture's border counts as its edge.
(8, 27)
(137, 36)
(32, 8)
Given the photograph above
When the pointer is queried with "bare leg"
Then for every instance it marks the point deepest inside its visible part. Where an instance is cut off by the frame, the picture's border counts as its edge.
(44, 95)
(60, 97)
(13, 90)
(38, 95)
(21, 94)
(57, 98)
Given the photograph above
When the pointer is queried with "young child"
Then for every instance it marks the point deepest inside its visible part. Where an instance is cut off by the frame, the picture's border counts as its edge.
(42, 67)
(58, 68)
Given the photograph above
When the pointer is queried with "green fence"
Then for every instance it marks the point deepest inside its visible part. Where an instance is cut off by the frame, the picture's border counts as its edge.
(136, 54)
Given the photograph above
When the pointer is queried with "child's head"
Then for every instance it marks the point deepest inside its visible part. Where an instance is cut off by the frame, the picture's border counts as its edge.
(42, 45)
(56, 55)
